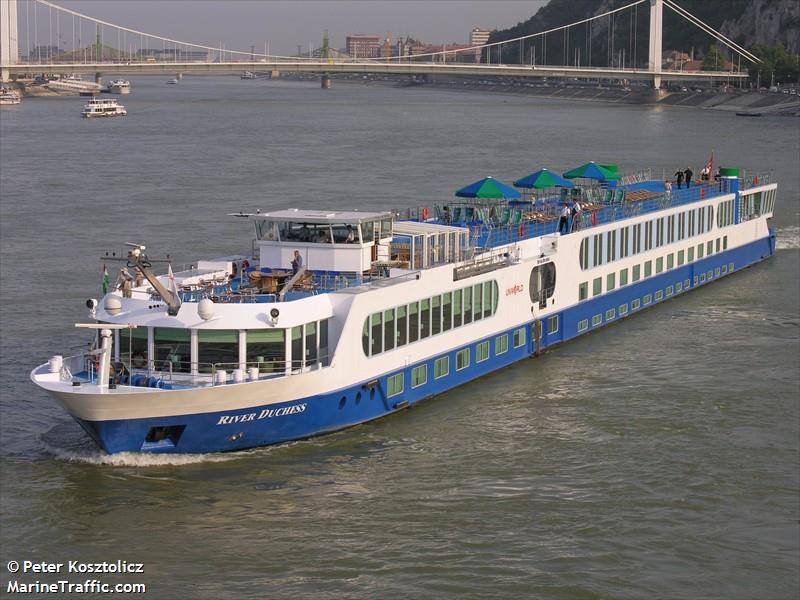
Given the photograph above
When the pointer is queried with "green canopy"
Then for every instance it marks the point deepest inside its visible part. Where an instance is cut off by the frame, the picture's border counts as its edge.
(592, 170)
(543, 179)
(488, 187)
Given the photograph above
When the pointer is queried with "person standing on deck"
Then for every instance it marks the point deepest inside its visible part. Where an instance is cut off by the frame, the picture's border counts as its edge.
(688, 176)
(667, 188)
(576, 216)
(679, 177)
(297, 262)
(563, 222)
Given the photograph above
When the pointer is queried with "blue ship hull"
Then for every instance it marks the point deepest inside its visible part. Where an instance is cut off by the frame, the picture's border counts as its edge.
(368, 400)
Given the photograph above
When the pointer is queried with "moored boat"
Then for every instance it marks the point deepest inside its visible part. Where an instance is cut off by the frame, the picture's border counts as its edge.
(340, 317)
(119, 86)
(9, 97)
(73, 84)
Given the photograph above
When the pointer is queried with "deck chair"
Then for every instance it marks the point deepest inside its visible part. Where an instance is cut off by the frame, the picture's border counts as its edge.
(457, 214)
(505, 215)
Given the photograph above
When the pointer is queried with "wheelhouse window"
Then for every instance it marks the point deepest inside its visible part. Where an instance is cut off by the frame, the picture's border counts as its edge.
(217, 347)
(172, 347)
(133, 347)
(266, 349)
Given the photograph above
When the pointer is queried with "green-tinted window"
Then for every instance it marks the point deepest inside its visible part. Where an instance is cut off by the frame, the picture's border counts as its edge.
(725, 242)
(133, 347)
(611, 281)
(501, 344)
(377, 335)
(467, 305)
(402, 325)
(419, 376)
(610, 314)
(220, 347)
(635, 303)
(583, 325)
(623, 277)
(388, 329)
(623, 310)
(488, 309)
(670, 260)
(495, 296)
(583, 291)
(425, 318)
(519, 337)
(413, 322)
(462, 359)
(596, 320)
(716, 247)
(297, 346)
(597, 286)
(447, 311)
(680, 257)
(394, 385)
(477, 301)
(481, 352)
(552, 325)
(648, 268)
(311, 343)
(172, 347)
(266, 348)
(636, 272)
(648, 299)
(457, 308)
(659, 264)
(700, 249)
(436, 315)
(659, 295)
(441, 367)
(690, 254)
(669, 290)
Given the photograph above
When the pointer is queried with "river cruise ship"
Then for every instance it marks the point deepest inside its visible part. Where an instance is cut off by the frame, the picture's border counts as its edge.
(103, 107)
(336, 318)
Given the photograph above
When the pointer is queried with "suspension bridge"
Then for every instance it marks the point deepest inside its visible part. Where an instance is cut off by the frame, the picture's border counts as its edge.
(43, 27)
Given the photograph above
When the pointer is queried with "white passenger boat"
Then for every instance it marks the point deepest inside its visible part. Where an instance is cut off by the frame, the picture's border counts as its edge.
(9, 97)
(173, 81)
(119, 86)
(248, 75)
(73, 84)
(385, 309)
(103, 107)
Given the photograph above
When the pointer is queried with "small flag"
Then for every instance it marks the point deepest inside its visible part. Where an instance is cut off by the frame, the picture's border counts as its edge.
(105, 279)
(710, 164)
(173, 287)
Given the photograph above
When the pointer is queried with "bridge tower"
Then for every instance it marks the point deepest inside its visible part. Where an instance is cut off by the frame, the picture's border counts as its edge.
(9, 44)
(656, 31)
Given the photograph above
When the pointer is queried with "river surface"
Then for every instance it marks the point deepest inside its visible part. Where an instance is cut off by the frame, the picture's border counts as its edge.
(657, 458)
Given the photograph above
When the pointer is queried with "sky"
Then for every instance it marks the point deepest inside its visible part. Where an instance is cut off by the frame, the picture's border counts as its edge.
(238, 24)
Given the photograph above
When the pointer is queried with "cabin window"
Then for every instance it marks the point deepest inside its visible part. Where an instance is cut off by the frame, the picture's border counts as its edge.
(597, 286)
(596, 320)
(501, 344)
(700, 249)
(419, 376)
(623, 277)
(482, 352)
(462, 359)
(457, 308)
(266, 230)
(402, 324)
(266, 349)
(690, 254)
(623, 310)
(716, 248)
(425, 318)
(610, 314)
(394, 385)
(133, 347)
(173, 349)
(542, 283)
(659, 295)
(323, 342)
(659, 264)
(670, 260)
(648, 268)
(377, 335)
(552, 325)
(217, 347)
(388, 329)
(386, 228)
(477, 301)
(611, 281)
(297, 347)
(725, 242)
(436, 315)
(447, 311)
(488, 310)
(315, 233)
(583, 325)
(710, 248)
(368, 232)
(413, 322)
(636, 272)
(311, 343)
(364, 337)
(441, 367)
(519, 337)
(669, 290)
(345, 233)
(467, 305)
(648, 298)
(680, 257)
(583, 291)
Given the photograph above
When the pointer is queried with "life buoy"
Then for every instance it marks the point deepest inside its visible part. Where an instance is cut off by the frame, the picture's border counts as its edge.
(521, 230)
(425, 213)
(594, 218)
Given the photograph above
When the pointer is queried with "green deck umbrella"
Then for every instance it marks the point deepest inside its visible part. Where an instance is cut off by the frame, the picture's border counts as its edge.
(591, 170)
(489, 188)
(543, 179)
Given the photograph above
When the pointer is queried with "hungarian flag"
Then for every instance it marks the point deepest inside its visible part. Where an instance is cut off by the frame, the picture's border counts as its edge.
(105, 279)
(710, 164)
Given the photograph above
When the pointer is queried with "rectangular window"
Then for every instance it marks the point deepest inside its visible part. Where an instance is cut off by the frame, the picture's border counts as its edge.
(635, 304)
(266, 349)
(583, 291)
(441, 368)
(413, 322)
(394, 385)
(648, 298)
(659, 295)
(477, 301)
(436, 315)
(680, 257)
(636, 272)
(670, 261)
(611, 281)
(311, 343)
(424, 318)
(700, 248)
(583, 325)
(552, 325)
(696, 279)
(702, 277)
(730, 266)
(623, 277)
(690, 254)
(670, 229)
(669, 290)
(402, 325)
(659, 264)
(172, 346)
(725, 242)
(597, 286)
(447, 311)
(519, 337)
(419, 376)
(610, 314)
(377, 335)
(487, 299)
(467, 305)
(648, 268)
(710, 248)
(717, 245)
(710, 274)
(221, 346)
(596, 320)
(678, 287)
(686, 284)
(388, 329)
(501, 344)
(482, 352)
(457, 308)
(724, 269)
(716, 272)
(623, 310)
(462, 359)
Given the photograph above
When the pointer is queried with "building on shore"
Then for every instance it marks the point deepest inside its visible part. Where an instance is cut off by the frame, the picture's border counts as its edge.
(363, 46)
(478, 37)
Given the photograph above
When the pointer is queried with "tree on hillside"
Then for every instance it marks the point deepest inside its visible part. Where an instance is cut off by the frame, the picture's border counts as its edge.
(714, 60)
(778, 66)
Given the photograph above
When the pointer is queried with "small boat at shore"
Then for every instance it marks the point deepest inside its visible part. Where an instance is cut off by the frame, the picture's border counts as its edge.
(748, 114)
(73, 84)
(248, 75)
(9, 97)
